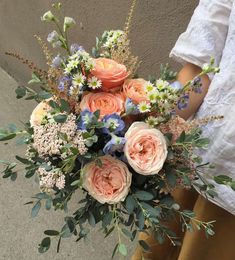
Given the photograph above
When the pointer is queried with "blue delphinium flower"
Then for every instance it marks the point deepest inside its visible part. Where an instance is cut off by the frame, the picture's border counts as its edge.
(75, 48)
(57, 61)
(197, 85)
(113, 124)
(86, 118)
(176, 85)
(131, 108)
(116, 144)
(183, 102)
(64, 81)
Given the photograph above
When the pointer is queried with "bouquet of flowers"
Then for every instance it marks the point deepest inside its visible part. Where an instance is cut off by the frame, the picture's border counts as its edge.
(100, 129)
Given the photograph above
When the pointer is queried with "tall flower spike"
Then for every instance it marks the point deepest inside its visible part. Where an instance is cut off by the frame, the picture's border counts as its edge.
(129, 18)
(45, 49)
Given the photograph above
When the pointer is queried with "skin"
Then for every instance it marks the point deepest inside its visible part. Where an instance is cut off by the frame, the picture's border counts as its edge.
(188, 72)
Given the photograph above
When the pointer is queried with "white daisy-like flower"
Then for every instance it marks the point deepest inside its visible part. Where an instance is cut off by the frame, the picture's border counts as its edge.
(73, 63)
(144, 107)
(94, 83)
(90, 64)
(67, 70)
(153, 121)
(153, 97)
(149, 87)
(162, 84)
(78, 80)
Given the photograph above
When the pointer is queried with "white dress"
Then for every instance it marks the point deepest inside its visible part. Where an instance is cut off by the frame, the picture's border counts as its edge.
(211, 33)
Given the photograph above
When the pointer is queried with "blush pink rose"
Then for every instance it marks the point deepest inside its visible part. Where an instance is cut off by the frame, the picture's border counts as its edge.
(111, 73)
(135, 90)
(109, 183)
(107, 103)
(145, 148)
(39, 112)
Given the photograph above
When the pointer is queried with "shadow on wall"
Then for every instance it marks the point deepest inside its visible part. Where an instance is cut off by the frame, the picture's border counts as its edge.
(156, 26)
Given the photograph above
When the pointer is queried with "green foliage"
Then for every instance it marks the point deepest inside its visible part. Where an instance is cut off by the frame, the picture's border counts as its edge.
(45, 245)
(166, 73)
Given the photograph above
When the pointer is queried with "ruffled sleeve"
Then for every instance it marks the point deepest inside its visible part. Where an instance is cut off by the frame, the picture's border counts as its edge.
(206, 33)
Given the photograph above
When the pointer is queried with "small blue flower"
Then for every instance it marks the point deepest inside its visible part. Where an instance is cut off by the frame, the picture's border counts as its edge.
(75, 48)
(131, 108)
(57, 61)
(183, 102)
(113, 124)
(64, 81)
(86, 118)
(197, 85)
(176, 85)
(116, 144)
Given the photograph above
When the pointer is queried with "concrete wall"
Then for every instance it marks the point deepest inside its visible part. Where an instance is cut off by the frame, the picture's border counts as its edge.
(156, 26)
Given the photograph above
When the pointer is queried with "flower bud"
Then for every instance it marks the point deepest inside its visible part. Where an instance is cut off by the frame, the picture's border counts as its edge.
(48, 17)
(68, 22)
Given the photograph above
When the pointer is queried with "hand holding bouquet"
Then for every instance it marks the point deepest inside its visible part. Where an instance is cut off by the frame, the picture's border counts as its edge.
(100, 129)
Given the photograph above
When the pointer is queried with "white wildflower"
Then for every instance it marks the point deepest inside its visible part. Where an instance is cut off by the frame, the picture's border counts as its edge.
(162, 84)
(149, 87)
(78, 80)
(94, 83)
(144, 107)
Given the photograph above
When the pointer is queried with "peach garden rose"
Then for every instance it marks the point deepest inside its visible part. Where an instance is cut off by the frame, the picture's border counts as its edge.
(135, 90)
(145, 148)
(107, 103)
(39, 112)
(111, 73)
(109, 183)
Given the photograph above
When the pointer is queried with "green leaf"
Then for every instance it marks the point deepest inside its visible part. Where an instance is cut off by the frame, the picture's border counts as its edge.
(64, 105)
(115, 250)
(35, 79)
(144, 245)
(171, 178)
(61, 118)
(130, 204)
(107, 219)
(122, 249)
(97, 114)
(48, 204)
(51, 233)
(144, 195)
(91, 219)
(58, 246)
(35, 209)
(20, 92)
(23, 160)
(71, 223)
(222, 179)
(6, 137)
(42, 95)
(212, 193)
(109, 231)
(153, 212)
(65, 232)
(141, 219)
(45, 245)
(54, 105)
(182, 137)
(76, 183)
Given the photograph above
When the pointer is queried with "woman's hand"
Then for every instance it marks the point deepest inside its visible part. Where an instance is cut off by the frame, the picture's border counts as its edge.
(188, 72)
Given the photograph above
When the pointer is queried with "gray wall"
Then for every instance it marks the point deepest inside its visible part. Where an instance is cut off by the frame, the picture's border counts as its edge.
(156, 26)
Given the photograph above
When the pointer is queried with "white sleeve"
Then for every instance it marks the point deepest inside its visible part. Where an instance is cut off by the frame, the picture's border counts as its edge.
(206, 33)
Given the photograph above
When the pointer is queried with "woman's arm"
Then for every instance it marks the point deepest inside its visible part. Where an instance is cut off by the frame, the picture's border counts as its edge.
(188, 72)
